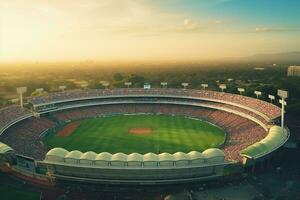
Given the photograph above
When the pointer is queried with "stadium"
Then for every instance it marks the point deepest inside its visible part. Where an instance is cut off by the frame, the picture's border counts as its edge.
(138, 136)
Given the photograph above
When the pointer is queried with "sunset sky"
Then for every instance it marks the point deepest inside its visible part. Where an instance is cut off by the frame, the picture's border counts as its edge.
(40, 30)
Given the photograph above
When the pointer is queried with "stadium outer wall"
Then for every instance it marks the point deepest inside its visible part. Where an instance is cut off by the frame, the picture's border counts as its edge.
(131, 176)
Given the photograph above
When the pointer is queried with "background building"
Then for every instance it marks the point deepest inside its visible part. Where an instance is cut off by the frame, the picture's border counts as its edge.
(293, 71)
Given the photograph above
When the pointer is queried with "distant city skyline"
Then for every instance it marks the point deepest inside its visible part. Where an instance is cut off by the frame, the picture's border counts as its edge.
(129, 30)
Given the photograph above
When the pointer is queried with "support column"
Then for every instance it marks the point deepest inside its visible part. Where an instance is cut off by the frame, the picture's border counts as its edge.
(21, 91)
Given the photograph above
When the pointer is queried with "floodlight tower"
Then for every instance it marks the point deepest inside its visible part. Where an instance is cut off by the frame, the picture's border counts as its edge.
(21, 91)
(204, 85)
(185, 85)
(84, 85)
(271, 97)
(39, 90)
(222, 87)
(241, 90)
(283, 94)
(62, 88)
(128, 84)
(105, 84)
(257, 93)
(163, 84)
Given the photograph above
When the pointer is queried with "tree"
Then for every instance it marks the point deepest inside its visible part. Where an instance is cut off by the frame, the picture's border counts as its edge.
(136, 80)
(118, 77)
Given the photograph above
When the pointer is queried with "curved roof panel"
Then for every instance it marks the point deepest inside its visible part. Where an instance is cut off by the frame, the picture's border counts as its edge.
(166, 157)
(135, 157)
(213, 152)
(74, 154)
(276, 137)
(181, 156)
(4, 148)
(119, 157)
(59, 152)
(150, 157)
(195, 155)
(90, 155)
(104, 156)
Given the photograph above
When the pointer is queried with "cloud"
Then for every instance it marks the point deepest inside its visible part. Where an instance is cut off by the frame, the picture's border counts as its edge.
(266, 29)
(186, 22)
(190, 25)
(263, 29)
(218, 21)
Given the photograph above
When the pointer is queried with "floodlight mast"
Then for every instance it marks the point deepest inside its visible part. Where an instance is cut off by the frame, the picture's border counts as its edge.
(271, 97)
(21, 91)
(106, 84)
(62, 88)
(164, 84)
(241, 90)
(283, 94)
(39, 90)
(185, 85)
(128, 84)
(204, 85)
(84, 85)
(257, 93)
(222, 87)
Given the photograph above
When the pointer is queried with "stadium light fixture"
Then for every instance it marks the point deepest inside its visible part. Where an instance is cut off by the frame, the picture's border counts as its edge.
(257, 93)
(204, 85)
(271, 97)
(280, 101)
(185, 85)
(39, 90)
(147, 86)
(105, 84)
(62, 88)
(128, 84)
(84, 85)
(283, 94)
(14, 100)
(241, 90)
(21, 91)
(164, 84)
(222, 87)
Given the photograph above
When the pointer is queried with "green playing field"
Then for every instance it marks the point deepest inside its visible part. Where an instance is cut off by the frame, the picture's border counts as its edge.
(113, 134)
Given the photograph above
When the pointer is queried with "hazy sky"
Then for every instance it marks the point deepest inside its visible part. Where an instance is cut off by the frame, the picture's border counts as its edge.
(146, 29)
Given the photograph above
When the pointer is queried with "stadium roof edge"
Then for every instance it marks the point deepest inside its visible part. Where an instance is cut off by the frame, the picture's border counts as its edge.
(276, 137)
(140, 89)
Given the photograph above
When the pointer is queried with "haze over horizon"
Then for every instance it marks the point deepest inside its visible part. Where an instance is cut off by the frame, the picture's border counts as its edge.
(135, 30)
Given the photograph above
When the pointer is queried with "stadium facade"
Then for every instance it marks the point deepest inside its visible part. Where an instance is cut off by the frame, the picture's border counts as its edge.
(26, 153)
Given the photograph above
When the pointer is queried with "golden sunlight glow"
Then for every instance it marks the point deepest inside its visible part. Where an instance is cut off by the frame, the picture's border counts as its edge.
(113, 30)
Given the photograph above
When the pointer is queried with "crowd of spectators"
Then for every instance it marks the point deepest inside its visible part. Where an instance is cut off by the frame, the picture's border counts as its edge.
(245, 111)
(25, 137)
(11, 113)
(266, 108)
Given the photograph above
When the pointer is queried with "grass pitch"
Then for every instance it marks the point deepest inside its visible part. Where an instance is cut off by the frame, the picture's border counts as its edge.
(112, 134)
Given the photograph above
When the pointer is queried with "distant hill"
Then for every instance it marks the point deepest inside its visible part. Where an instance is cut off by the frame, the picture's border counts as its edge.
(277, 57)
(286, 57)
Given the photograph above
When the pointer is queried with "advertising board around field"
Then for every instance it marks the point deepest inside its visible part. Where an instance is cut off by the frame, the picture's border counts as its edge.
(26, 163)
